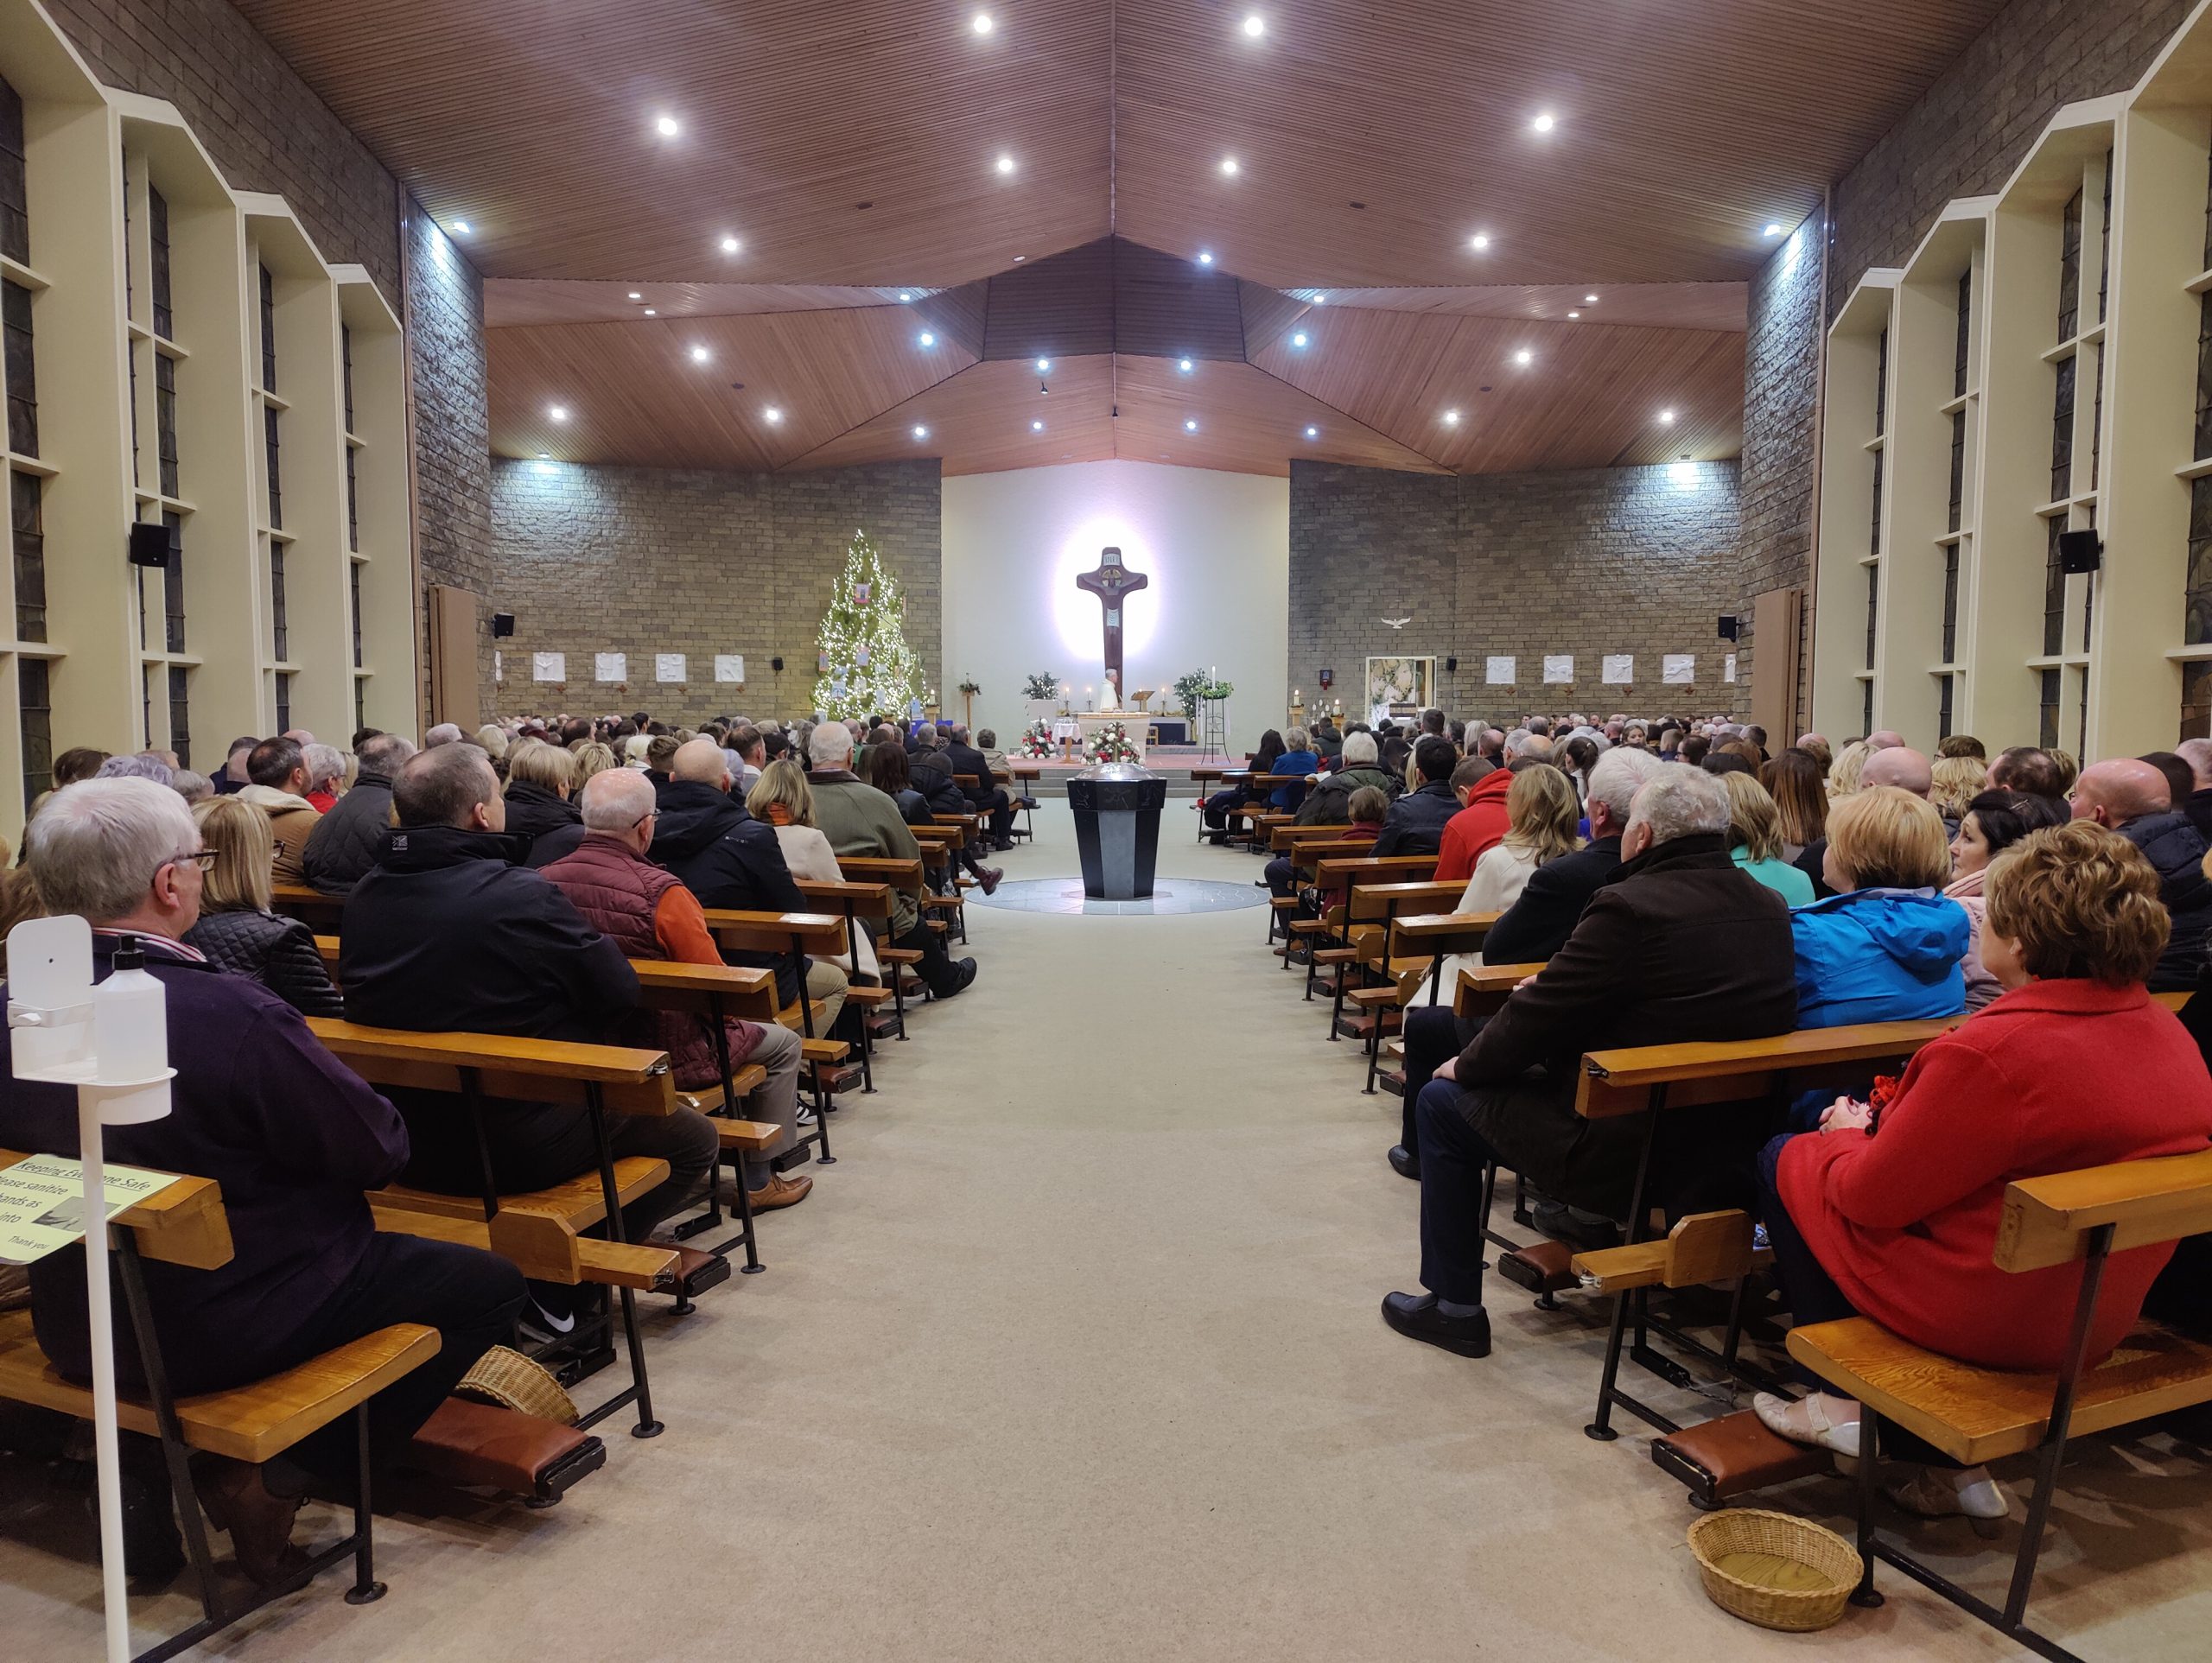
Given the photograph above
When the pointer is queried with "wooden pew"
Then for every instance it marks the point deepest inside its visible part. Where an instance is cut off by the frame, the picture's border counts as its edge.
(542, 1230)
(1024, 775)
(1977, 1415)
(1352, 873)
(313, 908)
(907, 875)
(795, 935)
(856, 901)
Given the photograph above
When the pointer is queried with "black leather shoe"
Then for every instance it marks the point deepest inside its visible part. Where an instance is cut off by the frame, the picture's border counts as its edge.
(1416, 1316)
(1405, 1163)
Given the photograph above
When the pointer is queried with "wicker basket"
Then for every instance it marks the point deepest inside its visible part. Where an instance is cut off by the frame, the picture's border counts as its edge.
(512, 1380)
(1830, 1563)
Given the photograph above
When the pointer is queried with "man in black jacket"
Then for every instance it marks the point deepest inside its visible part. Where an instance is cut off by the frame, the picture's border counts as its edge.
(1680, 943)
(1530, 930)
(931, 768)
(344, 843)
(987, 796)
(2133, 799)
(727, 858)
(445, 934)
(1415, 825)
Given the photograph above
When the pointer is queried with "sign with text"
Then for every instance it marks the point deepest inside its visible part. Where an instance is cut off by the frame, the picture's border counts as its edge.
(42, 1202)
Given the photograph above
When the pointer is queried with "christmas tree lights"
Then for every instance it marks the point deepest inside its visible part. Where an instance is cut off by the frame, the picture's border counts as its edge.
(866, 667)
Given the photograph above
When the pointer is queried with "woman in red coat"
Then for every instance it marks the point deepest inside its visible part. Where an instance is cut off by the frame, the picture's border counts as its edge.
(1894, 1216)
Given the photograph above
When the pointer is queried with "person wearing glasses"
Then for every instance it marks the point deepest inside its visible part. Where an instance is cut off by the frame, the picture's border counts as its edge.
(647, 910)
(294, 1137)
(236, 929)
(444, 935)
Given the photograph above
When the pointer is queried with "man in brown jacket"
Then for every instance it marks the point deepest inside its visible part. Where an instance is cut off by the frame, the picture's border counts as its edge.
(1679, 944)
(278, 770)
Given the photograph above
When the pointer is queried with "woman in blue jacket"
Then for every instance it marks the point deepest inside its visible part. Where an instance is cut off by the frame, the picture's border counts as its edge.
(1297, 758)
(1886, 946)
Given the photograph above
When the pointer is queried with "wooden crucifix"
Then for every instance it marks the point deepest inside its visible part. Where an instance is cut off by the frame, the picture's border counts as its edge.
(1110, 583)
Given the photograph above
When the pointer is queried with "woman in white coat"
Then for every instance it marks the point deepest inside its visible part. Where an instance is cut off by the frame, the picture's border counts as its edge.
(1541, 814)
(782, 798)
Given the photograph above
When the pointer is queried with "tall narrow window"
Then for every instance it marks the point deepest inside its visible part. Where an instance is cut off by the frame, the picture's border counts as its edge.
(1873, 604)
(1874, 537)
(2062, 431)
(2104, 244)
(2047, 726)
(172, 584)
(15, 179)
(1944, 706)
(165, 421)
(27, 520)
(268, 331)
(280, 632)
(345, 371)
(1866, 706)
(269, 421)
(2196, 700)
(355, 575)
(1966, 333)
(181, 714)
(2054, 589)
(2197, 593)
(35, 700)
(284, 700)
(360, 702)
(21, 369)
(1958, 465)
(146, 705)
(132, 355)
(353, 506)
(1951, 604)
(1881, 381)
(2096, 415)
(157, 223)
(2069, 270)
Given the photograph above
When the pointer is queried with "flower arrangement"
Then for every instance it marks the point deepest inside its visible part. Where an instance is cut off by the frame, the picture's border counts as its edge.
(968, 686)
(1196, 688)
(1046, 684)
(1036, 742)
(1110, 743)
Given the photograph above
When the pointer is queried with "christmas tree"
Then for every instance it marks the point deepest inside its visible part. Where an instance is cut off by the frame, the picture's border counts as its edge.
(866, 667)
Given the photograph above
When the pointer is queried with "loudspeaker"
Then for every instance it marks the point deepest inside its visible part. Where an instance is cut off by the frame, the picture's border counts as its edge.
(2080, 551)
(502, 622)
(776, 664)
(1450, 664)
(149, 544)
(1727, 627)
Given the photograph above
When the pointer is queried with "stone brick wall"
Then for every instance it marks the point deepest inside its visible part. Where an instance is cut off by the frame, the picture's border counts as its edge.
(1638, 561)
(647, 561)
(265, 129)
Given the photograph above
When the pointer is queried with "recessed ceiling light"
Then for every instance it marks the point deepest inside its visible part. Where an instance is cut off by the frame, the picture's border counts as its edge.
(1772, 230)
(699, 355)
(1524, 357)
(1312, 433)
(1206, 258)
(922, 432)
(462, 226)
(1589, 300)
(545, 455)
(652, 312)
(1481, 240)
(1006, 164)
(1255, 25)
(635, 295)
(1044, 366)
(1228, 166)
(1036, 427)
(772, 415)
(926, 339)
(1545, 122)
(1451, 418)
(1321, 300)
(1666, 417)
(1299, 339)
(983, 23)
(1191, 425)
(730, 244)
(667, 127)
(1185, 365)
(1575, 314)
(558, 412)
(904, 296)
(1019, 258)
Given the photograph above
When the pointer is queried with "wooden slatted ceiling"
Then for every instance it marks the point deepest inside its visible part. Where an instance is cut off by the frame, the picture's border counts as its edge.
(1062, 307)
(1664, 306)
(1166, 306)
(511, 301)
(978, 420)
(1249, 422)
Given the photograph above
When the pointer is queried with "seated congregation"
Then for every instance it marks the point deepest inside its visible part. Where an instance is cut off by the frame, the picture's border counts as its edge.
(571, 974)
(1667, 903)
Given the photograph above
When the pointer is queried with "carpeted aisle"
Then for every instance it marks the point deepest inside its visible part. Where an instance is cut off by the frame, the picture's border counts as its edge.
(1074, 1354)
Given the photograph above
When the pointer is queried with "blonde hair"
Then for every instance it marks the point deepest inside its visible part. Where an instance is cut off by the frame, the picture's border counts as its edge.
(245, 850)
(1850, 763)
(1754, 820)
(2081, 902)
(590, 757)
(492, 740)
(783, 782)
(1887, 838)
(533, 762)
(1541, 811)
(2068, 772)
(1958, 781)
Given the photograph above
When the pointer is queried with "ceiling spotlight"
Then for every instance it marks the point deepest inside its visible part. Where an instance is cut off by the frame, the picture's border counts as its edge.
(1019, 258)
(635, 295)
(1481, 241)
(1575, 314)
(903, 296)
(982, 26)
(926, 339)
(1204, 257)
(652, 312)
(1299, 339)
(1006, 164)
(1772, 230)
(1228, 166)
(1451, 418)
(1044, 366)
(462, 226)
(1545, 122)
(922, 432)
(1255, 25)
(558, 412)
(772, 415)
(730, 246)
(1321, 300)
(1589, 300)
(1312, 433)
(1191, 425)
(667, 127)
(1185, 365)
(545, 455)
(1666, 418)
(1524, 357)
(699, 355)
(1036, 427)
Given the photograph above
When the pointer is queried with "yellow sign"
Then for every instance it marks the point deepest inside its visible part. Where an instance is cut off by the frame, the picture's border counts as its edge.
(42, 1202)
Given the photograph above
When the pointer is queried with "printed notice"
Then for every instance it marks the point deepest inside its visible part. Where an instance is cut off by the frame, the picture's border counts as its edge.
(611, 666)
(668, 667)
(1678, 669)
(42, 1202)
(549, 666)
(1559, 667)
(729, 666)
(1728, 667)
(1499, 673)
(1620, 668)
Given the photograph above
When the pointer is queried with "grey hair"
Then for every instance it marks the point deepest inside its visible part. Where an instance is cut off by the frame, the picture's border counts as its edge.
(383, 755)
(1616, 776)
(830, 746)
(1297, 739)
(2197, 753)
(325, 762)
(1681, 802)
(1359, 750)
(136, 766)
(615, 799)
(444, 733)
(95, 846)
(1515, 740)
(193, 788)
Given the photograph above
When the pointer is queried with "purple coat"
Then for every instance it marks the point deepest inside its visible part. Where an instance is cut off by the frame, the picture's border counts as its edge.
(292, 1136)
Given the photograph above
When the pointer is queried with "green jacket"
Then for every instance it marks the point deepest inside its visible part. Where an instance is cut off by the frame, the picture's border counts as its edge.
(860, 820)
(1329, 803)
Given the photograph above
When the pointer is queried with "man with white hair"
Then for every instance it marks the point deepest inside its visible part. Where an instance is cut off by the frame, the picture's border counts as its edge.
(649, 913)
(858, 819)
(325, 766)
(2197, 753)
(292, 1136)
(1681, 944)
(444, 733)
(1530, 930)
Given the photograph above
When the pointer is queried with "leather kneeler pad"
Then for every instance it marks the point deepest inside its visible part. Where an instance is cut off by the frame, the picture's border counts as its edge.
(483, 1446)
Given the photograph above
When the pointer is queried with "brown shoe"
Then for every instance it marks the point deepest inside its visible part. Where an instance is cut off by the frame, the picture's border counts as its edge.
(779, 1191)
(259, 1524)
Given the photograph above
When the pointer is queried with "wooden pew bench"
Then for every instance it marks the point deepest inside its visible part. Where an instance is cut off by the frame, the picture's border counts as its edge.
(796, 937)
(856, 901)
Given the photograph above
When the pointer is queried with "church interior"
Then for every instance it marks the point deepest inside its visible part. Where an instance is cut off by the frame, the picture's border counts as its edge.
(718, 623)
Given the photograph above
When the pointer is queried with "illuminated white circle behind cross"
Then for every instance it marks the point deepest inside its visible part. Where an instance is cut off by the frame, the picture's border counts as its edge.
(1075, 612)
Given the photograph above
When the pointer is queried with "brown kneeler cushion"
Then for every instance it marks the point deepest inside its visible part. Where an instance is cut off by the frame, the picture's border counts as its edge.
(1540, 1268)
(483, 1446)
(1733, 1456)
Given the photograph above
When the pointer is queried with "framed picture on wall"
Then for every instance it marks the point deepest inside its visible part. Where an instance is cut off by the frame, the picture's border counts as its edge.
(1399, 681)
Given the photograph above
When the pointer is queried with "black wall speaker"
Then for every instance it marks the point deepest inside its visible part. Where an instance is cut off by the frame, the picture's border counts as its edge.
(502, 622)
(1450, 664)
(149, 544)
(776, 664)
(2080, 551)
(1727, 627)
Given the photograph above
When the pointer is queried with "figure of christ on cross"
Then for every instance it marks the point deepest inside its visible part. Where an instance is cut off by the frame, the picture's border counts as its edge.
(1111, 582)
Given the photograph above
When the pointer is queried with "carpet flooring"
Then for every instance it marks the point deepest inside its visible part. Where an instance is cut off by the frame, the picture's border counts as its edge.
(1074, 1354)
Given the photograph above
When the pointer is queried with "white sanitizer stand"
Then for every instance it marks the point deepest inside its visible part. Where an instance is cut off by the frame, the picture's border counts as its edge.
(111, 1043)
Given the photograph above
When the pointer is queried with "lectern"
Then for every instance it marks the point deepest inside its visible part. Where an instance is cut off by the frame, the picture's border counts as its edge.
(1117, 808)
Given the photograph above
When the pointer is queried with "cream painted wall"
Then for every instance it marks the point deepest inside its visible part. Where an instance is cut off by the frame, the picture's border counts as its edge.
(1216, 546)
